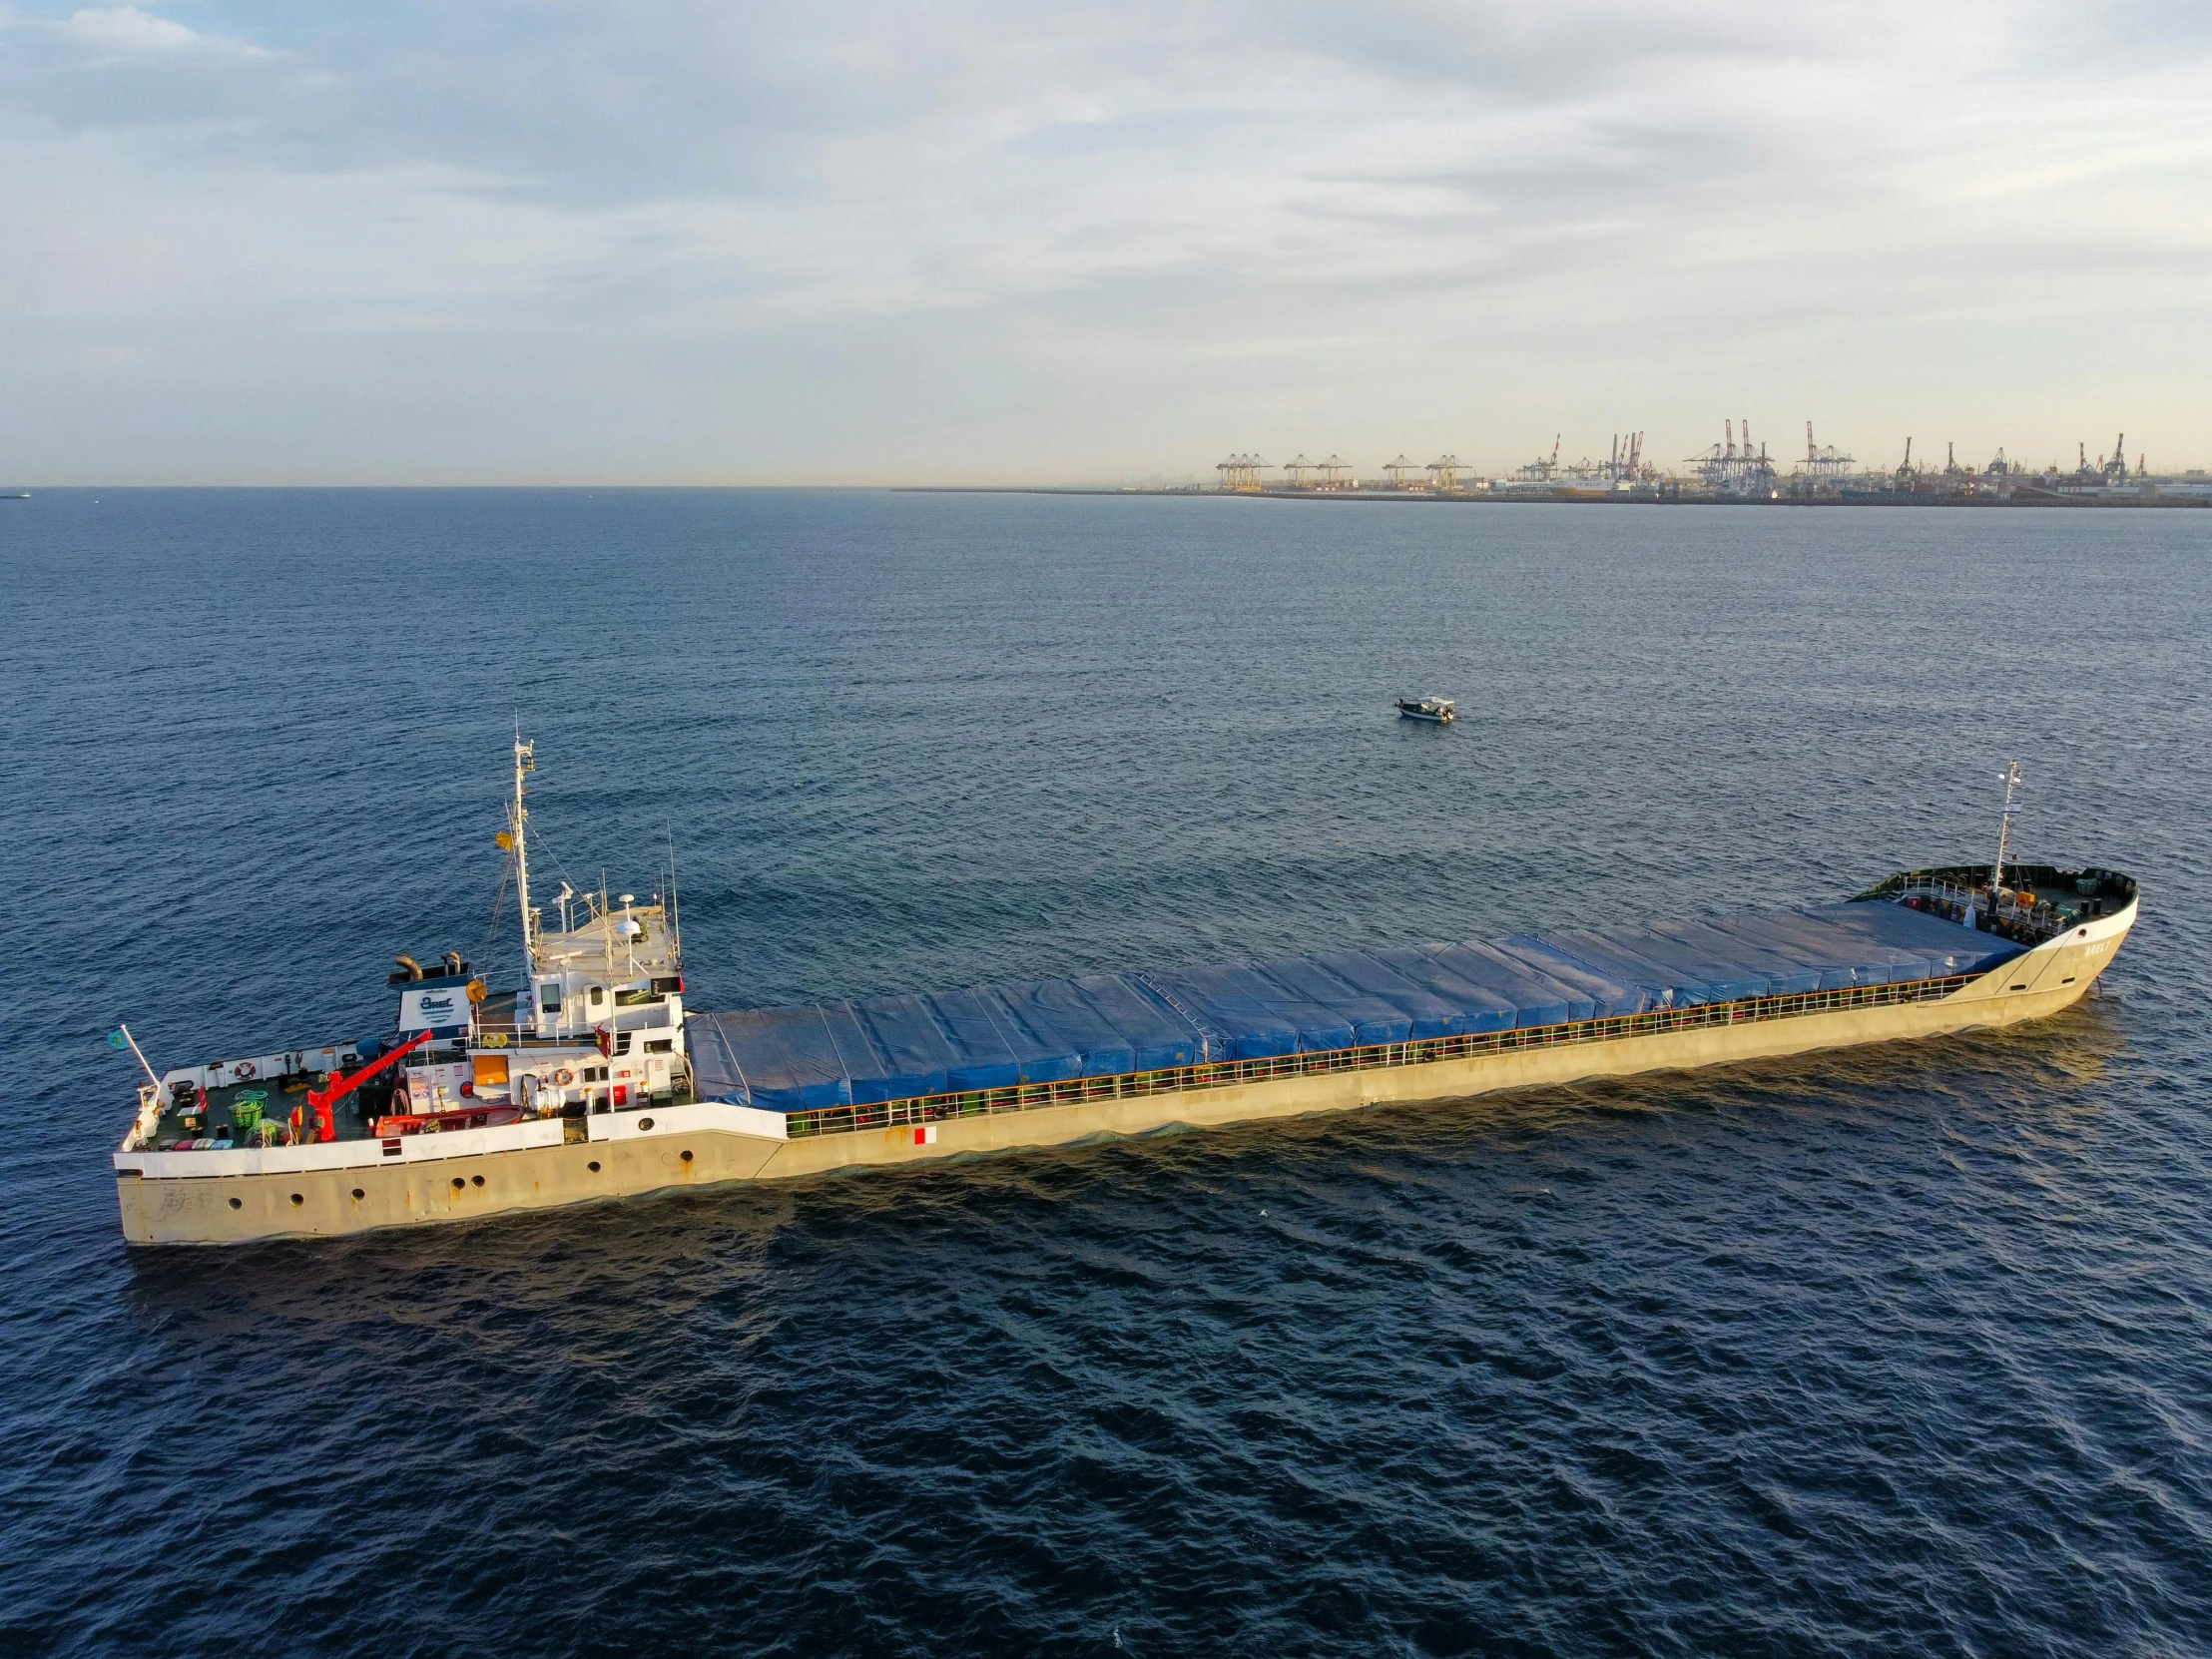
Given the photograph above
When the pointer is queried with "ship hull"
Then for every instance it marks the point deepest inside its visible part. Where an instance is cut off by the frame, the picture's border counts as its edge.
(710, 1143)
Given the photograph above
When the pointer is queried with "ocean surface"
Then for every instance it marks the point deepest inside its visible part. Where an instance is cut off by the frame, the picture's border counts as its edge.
(1907, 1350)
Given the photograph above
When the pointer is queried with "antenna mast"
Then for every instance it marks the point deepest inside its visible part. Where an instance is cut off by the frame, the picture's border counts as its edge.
(124, 1031)
(2004, 834)
(517, 818)
(675, 916)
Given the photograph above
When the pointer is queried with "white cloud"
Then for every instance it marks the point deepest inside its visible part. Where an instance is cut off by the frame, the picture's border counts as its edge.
(126, 30)
(1077, 243)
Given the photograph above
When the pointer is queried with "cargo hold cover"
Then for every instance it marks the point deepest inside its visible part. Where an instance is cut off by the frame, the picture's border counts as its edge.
(1054, 1030)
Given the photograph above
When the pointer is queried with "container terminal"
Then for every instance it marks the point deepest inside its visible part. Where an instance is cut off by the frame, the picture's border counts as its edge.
(590, 1080)
(1733, 471)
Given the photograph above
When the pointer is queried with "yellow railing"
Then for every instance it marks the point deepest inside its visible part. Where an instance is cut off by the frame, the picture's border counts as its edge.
(1218, 1074)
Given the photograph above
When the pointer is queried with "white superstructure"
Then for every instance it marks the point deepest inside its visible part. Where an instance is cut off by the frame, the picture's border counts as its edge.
(596, 1027)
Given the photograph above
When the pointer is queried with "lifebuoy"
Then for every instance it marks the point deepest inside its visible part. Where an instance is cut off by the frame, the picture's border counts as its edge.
(564, 1077)
(244, 1069)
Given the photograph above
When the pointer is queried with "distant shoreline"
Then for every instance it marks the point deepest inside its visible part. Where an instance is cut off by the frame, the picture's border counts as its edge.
(1591, 498)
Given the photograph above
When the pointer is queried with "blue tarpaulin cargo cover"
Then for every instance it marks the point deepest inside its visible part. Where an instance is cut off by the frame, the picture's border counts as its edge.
(1157, 1035)
(1059, 1013)
(983, 1056)
(1427, 1014)
(1041, 1055)
(1374, 1020)
(1259, 1015)
(780, 1058)
(1785, 975)
(913, 1050)
(1537, 997)
(1100, 1025)
(1607, 996)
(1481, 1010)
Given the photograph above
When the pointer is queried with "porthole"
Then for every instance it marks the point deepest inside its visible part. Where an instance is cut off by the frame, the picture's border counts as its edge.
(297, 1199)
(357, 1193)
(458, 1183)
(235, 1204)
(478, 1179)
(645, 1125)
(685, 1156)
(592, 1166)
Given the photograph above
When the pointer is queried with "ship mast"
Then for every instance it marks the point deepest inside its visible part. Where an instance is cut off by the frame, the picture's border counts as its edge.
(517, 817)
(2004, 832)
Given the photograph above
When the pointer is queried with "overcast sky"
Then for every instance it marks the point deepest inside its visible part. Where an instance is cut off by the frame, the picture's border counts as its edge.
(965, 241)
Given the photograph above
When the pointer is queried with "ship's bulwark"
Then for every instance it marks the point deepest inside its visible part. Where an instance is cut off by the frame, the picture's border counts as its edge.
(1054, 1030)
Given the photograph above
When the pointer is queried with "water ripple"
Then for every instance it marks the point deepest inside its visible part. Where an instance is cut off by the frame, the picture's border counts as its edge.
(1895, 1351)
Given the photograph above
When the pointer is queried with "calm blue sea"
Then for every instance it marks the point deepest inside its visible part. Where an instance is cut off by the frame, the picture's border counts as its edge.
(1899, 1350)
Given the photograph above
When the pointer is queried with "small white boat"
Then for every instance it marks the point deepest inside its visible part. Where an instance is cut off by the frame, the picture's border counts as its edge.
(1437, 711)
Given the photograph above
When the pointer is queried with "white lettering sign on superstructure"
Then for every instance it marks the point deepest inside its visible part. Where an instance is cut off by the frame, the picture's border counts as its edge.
(423, 1010)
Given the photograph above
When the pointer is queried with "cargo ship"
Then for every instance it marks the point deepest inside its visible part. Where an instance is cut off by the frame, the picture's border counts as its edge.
(589, 1080)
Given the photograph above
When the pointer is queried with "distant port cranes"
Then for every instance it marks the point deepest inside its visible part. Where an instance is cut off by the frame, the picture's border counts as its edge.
(1540, 470)
(1249, 474)
(1726, 469)
(1738, 468)
(1627, 464)
(1623, 464)
(1241, 472)
(1828, 466)
(1448, 474)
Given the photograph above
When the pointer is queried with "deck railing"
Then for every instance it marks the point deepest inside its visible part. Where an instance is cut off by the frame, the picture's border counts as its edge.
(1219, 1075)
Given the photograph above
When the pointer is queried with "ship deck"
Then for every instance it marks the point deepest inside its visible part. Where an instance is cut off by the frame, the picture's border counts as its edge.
(1599, 1003)
(802, 1059)
(219, 1115)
